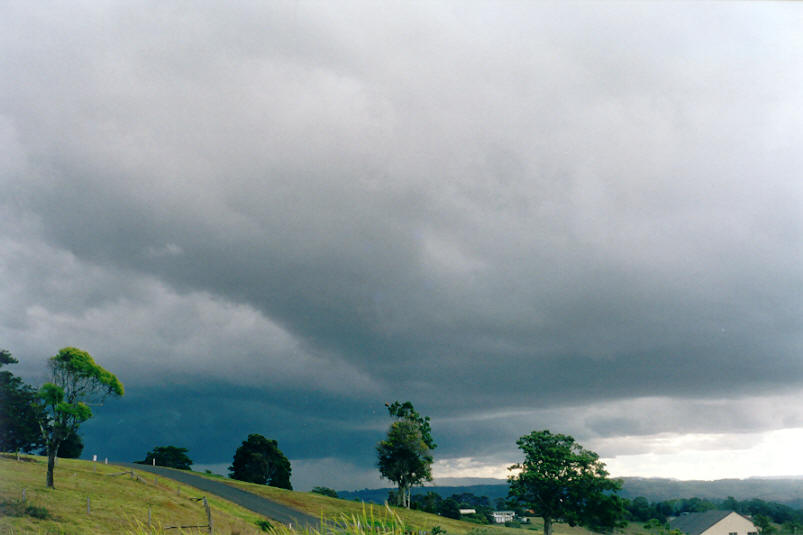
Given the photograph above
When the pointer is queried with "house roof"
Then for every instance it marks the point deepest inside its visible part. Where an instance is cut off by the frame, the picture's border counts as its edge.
(696, 523)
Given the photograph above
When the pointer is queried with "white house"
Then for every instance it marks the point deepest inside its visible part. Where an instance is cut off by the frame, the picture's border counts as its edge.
(500, 517)
(714, 523)
(468, 511)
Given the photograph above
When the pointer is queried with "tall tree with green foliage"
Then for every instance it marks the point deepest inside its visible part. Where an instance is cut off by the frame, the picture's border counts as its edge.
(169, 456)
(563, 482)
(405, 456)
(19, 413)
(259, 460)
(76, 381)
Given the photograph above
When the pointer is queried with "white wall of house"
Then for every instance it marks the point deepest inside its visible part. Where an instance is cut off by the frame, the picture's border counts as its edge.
(733, 523)
(500, 517)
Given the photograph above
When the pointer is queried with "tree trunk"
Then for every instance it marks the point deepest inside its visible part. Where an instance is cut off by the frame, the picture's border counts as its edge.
(402, 499)
(52, 450)
(547, 526)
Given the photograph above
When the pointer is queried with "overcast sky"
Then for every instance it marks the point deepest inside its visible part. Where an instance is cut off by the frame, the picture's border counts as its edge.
(274, 217)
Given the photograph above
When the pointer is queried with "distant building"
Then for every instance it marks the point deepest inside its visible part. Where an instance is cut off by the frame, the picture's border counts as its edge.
(468, 511)
(500, 517)
(713, 523)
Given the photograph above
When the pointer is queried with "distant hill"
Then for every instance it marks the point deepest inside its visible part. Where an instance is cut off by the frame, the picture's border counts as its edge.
(788, 491)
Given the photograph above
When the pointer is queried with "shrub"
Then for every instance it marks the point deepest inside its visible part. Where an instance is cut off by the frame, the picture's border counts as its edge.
(19, 508)
(325, 491)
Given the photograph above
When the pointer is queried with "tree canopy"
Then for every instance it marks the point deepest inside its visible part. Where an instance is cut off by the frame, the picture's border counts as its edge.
(563, 482)
(259, 460)
(71, 447)
(405, 457)
(19, 414)
(76, 381)
(325, 491)
(169, 456)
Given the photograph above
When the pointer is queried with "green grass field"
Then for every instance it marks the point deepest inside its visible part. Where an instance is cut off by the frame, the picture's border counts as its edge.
(119, 504)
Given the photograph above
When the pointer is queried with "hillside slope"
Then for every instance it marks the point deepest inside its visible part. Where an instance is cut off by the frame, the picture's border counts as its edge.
(117, 503)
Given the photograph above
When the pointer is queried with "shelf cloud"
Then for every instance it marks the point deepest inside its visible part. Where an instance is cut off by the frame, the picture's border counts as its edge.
(276, 218)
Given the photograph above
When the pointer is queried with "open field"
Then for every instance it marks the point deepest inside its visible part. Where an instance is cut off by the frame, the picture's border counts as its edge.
(119, 504)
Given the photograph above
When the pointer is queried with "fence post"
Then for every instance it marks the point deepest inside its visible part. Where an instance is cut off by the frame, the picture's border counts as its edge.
(149, 517)
(88, 505)
(178, 491)
(208, 515)
(23, 495)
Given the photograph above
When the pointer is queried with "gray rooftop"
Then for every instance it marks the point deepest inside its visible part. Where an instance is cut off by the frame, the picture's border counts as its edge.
(696, 523)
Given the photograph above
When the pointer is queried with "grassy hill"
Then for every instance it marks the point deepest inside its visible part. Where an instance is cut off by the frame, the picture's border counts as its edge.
(120, 503)
(117, 503)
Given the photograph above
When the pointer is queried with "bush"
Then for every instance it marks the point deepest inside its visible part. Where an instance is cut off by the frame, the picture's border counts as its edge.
(37, 512)
(169, 456)
(325, 491)
(264, 525)
(19, 508)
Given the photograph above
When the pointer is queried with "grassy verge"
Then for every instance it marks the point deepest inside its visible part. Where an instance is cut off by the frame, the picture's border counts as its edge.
(117, 504)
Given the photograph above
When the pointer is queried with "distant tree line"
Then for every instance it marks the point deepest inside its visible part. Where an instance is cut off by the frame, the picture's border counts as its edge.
(642, 510)
(450, 507)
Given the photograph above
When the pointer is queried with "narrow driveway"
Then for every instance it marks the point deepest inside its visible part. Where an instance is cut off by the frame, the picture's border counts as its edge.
(249, 500)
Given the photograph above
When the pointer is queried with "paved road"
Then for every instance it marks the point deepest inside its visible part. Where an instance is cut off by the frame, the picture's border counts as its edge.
(258, 504)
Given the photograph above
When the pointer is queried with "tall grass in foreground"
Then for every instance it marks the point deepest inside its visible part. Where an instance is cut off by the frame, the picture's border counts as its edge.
(367, 523)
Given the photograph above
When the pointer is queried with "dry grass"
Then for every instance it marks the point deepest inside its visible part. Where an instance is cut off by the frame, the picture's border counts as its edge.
(117, 503)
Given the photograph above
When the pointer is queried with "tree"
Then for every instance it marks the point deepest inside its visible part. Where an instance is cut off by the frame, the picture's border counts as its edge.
(429, 502)
(76, 381)
(325, 491)
(563, 482)
(259, 460)
(764, 524)
(405, 457)
(449, 508)
(71, 447)
(19, 413)
(170, 456)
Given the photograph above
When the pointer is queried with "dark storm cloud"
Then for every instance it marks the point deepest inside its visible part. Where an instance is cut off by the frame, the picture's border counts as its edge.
(488, 211)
